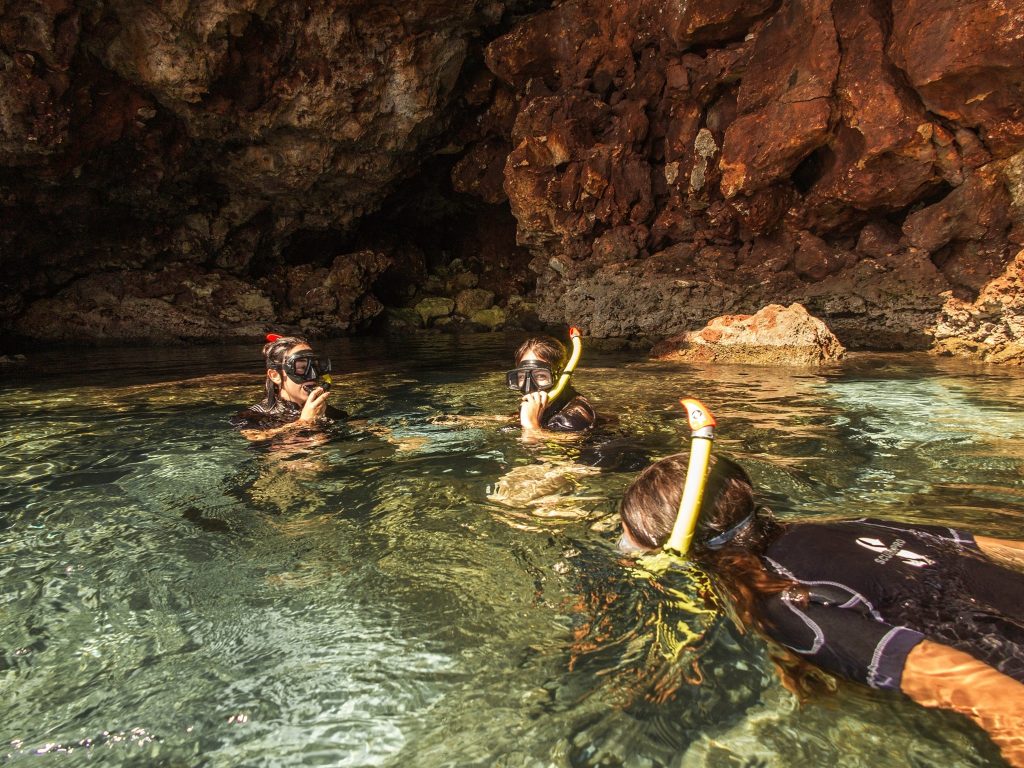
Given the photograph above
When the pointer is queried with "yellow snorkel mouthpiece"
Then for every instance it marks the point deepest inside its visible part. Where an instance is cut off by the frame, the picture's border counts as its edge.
(577, 349)
(702, 435)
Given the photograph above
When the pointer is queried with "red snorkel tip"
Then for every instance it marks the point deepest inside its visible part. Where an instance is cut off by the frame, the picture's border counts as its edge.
(272, 337)
(574, 332)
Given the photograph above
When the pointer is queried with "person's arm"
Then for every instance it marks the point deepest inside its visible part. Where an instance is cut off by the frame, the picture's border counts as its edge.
(530, 412)
(314, 408)
(936, 675)
(1006, 551)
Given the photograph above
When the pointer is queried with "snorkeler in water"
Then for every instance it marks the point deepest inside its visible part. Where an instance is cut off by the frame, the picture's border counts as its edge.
(297, 386)
(934, 612)
(549, 402)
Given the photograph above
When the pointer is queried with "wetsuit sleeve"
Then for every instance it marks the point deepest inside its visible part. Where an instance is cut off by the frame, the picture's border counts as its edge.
(576, 416)
(336, 413)
(252, 419)
(846, 641)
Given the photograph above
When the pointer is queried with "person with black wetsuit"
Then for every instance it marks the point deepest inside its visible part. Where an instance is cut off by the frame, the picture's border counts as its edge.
(539, 362)
(296, 390)
(934, 612)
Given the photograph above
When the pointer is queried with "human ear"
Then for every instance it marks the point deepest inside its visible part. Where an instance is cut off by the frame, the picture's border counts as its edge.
(274, 376)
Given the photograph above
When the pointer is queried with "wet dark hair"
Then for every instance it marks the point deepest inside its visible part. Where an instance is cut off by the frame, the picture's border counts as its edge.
(648, 511)
(274, 353)
(651, 503)
(548, 350)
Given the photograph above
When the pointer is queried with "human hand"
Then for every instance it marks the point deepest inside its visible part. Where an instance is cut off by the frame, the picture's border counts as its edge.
(316, 405)
(532, 409)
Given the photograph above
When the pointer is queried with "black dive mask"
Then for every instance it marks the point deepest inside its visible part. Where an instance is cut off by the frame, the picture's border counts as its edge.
(530, 376)
(306, 366)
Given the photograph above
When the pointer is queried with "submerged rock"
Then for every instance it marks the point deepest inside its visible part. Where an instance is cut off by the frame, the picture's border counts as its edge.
(776, 335)
(492, 319)
(434, 307)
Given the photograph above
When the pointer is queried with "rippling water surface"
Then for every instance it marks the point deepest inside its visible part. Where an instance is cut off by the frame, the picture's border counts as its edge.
(175, 595)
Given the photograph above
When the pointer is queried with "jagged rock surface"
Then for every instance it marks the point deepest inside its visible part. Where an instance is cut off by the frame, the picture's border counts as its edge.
(218, 136)
(775, 335)
(862, 158)
(665, 162)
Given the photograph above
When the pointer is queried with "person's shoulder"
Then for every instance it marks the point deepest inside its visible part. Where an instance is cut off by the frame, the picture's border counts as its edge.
(336, 413)
(575, 416)
(261, 415)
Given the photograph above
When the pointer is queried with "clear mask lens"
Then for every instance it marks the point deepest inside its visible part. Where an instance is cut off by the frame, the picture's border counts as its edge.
(530, 378)
(306, 367)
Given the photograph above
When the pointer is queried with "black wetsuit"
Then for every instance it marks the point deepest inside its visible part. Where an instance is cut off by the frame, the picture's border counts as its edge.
(264, 416)
(569, 413)
(877, 589)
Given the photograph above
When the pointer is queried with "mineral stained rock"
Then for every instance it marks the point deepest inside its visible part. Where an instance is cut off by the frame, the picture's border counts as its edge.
(862, 158)
(775, 335)
(665, 163)
(992, 326)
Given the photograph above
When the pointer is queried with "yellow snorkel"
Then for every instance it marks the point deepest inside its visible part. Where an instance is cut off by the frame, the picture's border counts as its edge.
(577, 350)
(702, 435)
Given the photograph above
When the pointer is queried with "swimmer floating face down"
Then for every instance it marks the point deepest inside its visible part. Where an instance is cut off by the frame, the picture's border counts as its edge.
(794, 583)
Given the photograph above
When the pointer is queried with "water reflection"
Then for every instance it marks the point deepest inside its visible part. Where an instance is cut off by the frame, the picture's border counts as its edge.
(174, 594)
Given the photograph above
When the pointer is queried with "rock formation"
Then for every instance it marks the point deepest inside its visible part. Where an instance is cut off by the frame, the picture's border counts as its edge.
(774, 336)
(660, 163)
(674, 162)
(155, 147)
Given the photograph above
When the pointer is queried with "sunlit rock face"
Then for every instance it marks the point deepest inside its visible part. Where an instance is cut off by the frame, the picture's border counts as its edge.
(670, 162)
(195, 139)
(204, 169)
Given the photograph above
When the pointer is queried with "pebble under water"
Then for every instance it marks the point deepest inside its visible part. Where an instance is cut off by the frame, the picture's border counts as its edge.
(174, 595)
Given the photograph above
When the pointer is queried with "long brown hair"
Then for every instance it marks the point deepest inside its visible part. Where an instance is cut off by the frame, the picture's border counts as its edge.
(274, 353)
(547, 349)
(648, 511)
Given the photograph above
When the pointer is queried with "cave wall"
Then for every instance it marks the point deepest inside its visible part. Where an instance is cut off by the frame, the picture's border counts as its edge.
(162, 162)
(202, 169)
(669, 162)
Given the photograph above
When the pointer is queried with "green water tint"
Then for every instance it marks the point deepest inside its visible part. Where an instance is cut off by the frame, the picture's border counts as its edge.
(174, 595)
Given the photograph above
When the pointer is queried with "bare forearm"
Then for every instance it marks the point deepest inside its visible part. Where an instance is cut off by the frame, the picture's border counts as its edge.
(937, 675)
(1006, 551)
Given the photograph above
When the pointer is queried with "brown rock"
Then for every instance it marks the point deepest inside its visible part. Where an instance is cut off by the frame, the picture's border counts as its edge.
(883, 155)
(162, 308)
(784, 100)
(976, 210)
(878, 240)
(706, 21)
(775, 335)
(990, 328)
(815, 259)
(481, 171)
(966, 61)
(473, 300)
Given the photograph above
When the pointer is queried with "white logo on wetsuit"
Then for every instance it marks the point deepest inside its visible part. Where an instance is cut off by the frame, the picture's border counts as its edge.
(894, 550)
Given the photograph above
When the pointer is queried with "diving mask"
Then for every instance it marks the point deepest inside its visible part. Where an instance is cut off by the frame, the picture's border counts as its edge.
(530, 376)
(305, 366)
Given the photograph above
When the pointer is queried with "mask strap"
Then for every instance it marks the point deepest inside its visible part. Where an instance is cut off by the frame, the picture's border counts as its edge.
(725, 537)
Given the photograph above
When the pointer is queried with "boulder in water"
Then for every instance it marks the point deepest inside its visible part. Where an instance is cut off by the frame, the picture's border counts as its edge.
(775, 335)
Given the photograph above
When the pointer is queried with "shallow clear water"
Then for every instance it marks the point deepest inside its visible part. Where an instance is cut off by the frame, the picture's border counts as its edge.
(174, 595)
